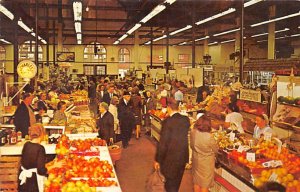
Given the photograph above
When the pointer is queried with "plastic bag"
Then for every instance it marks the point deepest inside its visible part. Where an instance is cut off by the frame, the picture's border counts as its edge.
(156, 182)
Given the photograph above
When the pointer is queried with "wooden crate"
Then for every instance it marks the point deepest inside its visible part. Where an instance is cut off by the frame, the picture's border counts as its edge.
(9, 170)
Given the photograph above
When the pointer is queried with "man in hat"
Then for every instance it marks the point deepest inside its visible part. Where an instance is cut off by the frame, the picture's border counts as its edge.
(126, 118)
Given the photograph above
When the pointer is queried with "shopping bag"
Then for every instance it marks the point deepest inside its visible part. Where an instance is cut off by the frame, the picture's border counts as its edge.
(156, 182)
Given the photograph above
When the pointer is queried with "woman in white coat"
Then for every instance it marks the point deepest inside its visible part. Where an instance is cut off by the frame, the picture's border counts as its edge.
(114, 111)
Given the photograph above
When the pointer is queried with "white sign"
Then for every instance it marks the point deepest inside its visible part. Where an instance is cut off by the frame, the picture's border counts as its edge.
(26, 69)
(250, 95)
(267, 136)
(250, 157)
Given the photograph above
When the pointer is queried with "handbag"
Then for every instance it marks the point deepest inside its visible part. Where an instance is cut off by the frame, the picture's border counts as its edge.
(156, 182)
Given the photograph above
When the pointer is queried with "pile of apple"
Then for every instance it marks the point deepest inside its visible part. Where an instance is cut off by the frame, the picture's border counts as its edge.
(282, 176)
(84, 145)
(77, 186)
(103, 182)
(241, 158)
(290, 161)
(53, 183)
(62, 147)
(159, 113)
(77, 166)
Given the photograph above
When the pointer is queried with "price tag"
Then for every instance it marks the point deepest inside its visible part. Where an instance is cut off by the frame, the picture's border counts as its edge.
(267, 136)
(240, 149)
(231, 136)
(273, 177)
(250, 157)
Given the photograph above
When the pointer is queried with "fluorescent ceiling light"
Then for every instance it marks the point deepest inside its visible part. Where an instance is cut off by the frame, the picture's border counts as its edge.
(226, 32)
(228, 41)
(77, 9)
(279, 31)
(183, 43)
(170, 1)
(230, 10)
(159, 38)
(154, 12)
(39, 38)
(24, 26)
(276, 19)
(116, 42)
(43, 41)
(79, 41)
(3, 40)
(138, 25)
(261, 41)
(295, 35)
(123, 37)
(147, 43)
(78, 27)
(283, 37)
(251, 2)
(79, 36)
(6, 12)
(206, 37)
(180, 30)
(213, 43)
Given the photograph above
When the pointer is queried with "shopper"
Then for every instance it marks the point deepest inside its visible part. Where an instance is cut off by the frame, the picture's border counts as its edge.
(92, 97)
(234, 119)
(206, 97)
(204, 149)
(24, 116)
(42, 102)
(137, 110)
(262, 126)
(114, 111)
(126, 119)
(100, 93)
(200, 93)
(163, 96)
(150, 104)
(33, 161)
(178, 95)
(109, 94)
(105, 124)
(172, 150)
(59, 116)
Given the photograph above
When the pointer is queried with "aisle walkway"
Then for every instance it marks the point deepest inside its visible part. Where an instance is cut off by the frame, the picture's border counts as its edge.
(136, 164)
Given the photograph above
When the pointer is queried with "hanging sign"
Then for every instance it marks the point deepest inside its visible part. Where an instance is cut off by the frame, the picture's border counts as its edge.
(250, 95)
(26, 69)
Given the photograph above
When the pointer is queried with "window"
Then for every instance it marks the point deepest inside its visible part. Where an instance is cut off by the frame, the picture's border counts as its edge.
(89, 70)
(95, 69)
(124, 55)
(27, 51)
(94, 52)
(2, 53)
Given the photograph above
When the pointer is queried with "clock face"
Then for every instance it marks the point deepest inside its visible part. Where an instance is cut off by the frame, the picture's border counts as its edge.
(26, 69)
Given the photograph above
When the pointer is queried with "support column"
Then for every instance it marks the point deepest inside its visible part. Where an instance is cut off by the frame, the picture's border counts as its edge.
(193, 38)
(237, 36)
(151, 48)
(205, 44)
(59, 38)
(167, 45)
(241, 40)
(53, 44)
(16, 50)
(136, 49)
(271, 35)
(36, 54)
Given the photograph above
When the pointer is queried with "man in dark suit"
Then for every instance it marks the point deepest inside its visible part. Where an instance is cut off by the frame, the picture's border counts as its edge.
(24, 116)
(105, 123)
(42, 105)
(109, 94)
(126, 118)
(172, 150)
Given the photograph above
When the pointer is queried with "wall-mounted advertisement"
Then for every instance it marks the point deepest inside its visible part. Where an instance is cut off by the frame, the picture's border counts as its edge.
(65, 56)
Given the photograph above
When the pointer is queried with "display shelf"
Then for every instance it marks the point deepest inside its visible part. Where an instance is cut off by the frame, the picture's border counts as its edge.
(287, 116)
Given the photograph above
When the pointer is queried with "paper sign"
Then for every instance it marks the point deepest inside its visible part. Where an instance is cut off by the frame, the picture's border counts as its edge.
(250, 157)
(267, 136)
(273, 177)
(240, 149)
(231, 136)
